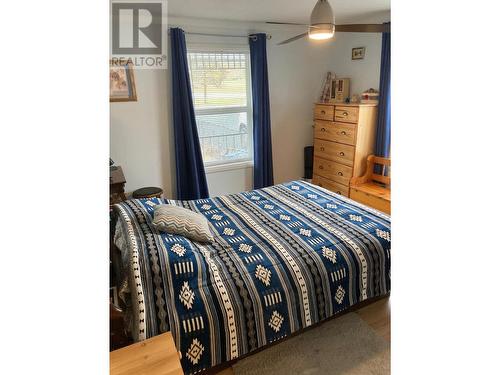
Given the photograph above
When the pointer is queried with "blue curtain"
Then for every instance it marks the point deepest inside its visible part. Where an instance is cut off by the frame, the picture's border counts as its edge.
(383, 142)
(190, 173)
(262, 147)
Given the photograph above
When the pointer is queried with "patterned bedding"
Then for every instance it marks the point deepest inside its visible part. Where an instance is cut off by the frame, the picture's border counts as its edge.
(283, 258)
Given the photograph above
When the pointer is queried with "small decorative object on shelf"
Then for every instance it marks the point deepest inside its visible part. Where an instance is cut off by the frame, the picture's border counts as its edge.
(339, 90)
(116, 184)
(370, 96)
(325, 95)
(112, 167)
(355, 99)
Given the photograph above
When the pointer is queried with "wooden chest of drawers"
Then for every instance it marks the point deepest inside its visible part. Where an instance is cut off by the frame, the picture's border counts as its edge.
(344, 135)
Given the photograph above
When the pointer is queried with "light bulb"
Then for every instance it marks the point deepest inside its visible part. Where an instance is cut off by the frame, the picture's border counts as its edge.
(321, 35)
(321, 31)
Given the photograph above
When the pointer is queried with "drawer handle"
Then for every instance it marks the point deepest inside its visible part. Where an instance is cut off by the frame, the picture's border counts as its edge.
(323, 112)
(343, 132)
(340, 173)
(345, 113)
(323, 129)
(322, 148)
(320, 167)
(340, 153)
(338, 192)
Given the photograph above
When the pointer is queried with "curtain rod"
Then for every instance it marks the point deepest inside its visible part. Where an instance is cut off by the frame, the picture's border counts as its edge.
(225, 35)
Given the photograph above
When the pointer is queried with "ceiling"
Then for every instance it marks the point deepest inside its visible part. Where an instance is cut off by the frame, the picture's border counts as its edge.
(346, 11)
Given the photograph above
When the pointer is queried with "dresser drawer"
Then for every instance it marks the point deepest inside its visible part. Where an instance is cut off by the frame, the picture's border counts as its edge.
(331, 185)
(346, 114)
(335, 131)
(343, 154)
(323, 112)
(333, 171)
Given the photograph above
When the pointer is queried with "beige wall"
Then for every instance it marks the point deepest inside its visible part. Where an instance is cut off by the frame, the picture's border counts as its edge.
(141, 132)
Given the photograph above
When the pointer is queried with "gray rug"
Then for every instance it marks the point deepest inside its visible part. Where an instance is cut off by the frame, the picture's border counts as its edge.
(345, 345)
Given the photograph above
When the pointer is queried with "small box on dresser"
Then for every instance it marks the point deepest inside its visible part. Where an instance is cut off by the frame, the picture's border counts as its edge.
(344, 135)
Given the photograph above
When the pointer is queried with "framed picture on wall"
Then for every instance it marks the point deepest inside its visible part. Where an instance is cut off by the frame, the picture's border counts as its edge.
(358, 53)
(122, 82)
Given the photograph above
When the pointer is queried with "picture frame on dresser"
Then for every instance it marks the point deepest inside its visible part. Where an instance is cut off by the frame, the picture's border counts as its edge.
(339, 90)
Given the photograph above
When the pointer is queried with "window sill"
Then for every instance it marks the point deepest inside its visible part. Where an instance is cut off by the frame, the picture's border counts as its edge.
(228, 167)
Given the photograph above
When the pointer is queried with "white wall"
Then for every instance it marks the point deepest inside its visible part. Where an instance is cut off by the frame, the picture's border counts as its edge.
(364, 74)
(142, 133)
(232, 181)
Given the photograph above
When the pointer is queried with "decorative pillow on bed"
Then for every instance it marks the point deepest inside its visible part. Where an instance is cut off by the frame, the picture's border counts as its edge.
(179, 220)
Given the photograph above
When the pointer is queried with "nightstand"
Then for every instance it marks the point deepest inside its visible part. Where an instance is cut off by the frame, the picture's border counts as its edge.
(155, 356)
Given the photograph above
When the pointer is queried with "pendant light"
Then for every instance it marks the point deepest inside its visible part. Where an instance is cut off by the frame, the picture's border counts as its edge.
(322, 21)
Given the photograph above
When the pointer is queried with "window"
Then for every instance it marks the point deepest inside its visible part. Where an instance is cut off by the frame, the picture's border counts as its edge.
(220, 83)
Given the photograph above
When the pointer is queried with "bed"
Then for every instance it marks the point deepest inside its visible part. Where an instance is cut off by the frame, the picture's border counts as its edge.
(283, 259)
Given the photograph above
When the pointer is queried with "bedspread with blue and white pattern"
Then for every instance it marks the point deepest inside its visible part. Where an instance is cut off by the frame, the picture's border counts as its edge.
(283, 258)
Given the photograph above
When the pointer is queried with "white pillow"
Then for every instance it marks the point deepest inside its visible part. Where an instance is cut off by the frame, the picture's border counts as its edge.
(179, 220)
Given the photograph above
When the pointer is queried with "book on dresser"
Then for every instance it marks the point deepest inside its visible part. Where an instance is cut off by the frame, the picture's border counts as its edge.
(344, 136)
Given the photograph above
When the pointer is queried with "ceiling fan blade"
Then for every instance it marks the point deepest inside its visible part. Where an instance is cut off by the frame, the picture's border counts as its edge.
(287, 23)
(364, 28)
(292, 39)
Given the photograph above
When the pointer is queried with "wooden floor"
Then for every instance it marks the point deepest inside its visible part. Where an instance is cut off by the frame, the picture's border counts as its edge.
(377, 315)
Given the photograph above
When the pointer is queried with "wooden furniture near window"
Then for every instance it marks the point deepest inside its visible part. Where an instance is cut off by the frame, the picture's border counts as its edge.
(116, 185)
(344, 135)
(374, 189)
(155, 356)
